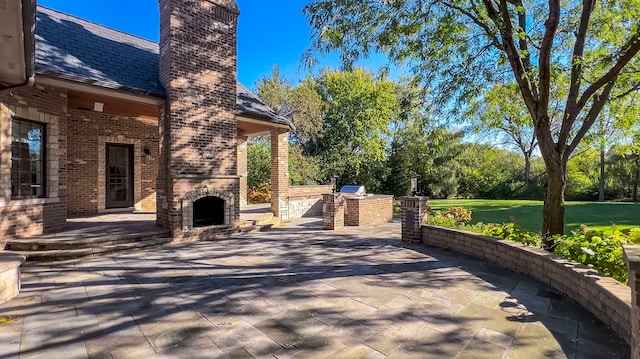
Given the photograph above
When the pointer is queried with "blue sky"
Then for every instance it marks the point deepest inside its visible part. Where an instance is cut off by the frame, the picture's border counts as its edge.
(269, 32)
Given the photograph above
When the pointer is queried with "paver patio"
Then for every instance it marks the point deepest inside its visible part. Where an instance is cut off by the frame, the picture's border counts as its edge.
(295, 292)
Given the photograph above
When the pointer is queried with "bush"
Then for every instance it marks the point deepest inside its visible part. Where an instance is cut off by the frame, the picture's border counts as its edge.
(634, 236)
(460, 215)
(511, 232)
(260, 194)
(600, 250)
(442, 220)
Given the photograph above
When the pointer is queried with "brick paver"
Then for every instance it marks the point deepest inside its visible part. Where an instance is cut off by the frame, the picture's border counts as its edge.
(295, 292)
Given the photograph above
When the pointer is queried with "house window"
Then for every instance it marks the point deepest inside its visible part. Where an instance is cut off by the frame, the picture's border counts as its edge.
(27, 159)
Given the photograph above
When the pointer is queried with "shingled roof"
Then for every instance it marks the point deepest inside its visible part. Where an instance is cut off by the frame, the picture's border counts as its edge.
(75, 49)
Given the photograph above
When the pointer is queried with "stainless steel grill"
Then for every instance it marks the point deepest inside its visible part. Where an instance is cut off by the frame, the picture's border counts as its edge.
(353, 190)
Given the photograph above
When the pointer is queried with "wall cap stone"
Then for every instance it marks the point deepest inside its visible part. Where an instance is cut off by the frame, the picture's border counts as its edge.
(9, 260)
(632, 257)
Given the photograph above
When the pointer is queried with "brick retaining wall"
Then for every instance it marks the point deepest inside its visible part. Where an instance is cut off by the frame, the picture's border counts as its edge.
(632, 256)
(605, 297)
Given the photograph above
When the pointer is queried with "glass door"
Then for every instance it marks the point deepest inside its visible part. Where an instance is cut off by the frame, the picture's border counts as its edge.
(119, 176)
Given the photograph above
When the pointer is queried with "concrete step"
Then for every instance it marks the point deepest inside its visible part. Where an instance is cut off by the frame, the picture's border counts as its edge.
(266, 218)
(69, 243)
(64, 254)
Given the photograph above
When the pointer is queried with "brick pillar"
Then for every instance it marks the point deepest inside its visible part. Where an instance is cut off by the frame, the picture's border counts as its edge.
(243, 171)
(198, 126)
(333, 206)
(632, 255)
(413, 211)
(280, 173)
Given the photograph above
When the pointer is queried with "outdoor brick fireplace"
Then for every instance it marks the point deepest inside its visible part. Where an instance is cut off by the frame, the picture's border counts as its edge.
(208, 208)
(198, 184)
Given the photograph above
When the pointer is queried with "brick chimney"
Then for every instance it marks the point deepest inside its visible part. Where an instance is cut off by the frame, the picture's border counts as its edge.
(198, 127)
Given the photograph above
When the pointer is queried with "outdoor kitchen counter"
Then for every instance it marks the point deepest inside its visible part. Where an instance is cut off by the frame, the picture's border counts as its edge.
(368, 210)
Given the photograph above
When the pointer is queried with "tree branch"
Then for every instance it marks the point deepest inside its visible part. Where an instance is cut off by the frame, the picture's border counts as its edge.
(522, 23)
(632, 50)
(570, 113)
(551, 26)
(628, 92)
(502, 20)
(476, 20)
(598, 103)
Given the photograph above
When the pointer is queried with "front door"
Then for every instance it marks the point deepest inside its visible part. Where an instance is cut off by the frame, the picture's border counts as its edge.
(119, 176)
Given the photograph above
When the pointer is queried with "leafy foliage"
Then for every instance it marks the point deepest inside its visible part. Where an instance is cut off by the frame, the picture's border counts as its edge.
(258, 162)
(567, 58)
(357, 109)
(260, 193)
(460, 215)
(600, 250)
(301, 104)
(511, 232)
(442, 220)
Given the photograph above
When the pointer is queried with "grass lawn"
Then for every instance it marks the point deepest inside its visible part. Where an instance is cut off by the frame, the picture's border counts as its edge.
(529, 213)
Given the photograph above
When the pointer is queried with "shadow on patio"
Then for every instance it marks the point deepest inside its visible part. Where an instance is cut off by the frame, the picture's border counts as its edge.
(296, 291)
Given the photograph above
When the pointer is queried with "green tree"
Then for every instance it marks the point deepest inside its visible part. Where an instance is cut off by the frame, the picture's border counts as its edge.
(491, 172)
(583, 175)
(625, 167)
(258, 161)
(303, 170)
(357, 109)
(301, 104)
(458, 47)
(501, 113)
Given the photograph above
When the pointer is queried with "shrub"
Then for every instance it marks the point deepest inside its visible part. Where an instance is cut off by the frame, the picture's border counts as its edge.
(442, 220)
(460, 215)
(512, 232)
(260, 193)
(634, 236)
(600, 250)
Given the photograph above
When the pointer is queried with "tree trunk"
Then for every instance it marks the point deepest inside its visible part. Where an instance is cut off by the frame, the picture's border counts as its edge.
(637, 179)
(553, 209)
(601, 189)
(527, 176)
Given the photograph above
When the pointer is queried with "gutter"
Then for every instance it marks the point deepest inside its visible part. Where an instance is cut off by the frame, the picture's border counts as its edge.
(28, 34)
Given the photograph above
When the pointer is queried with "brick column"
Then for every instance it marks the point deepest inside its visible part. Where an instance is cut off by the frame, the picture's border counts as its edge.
(198, 128)
(280, 173)
(413, 210)
(632, 255)
(243, 171)
(333, 206)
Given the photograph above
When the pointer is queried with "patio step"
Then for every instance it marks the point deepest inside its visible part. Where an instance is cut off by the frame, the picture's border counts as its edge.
(262, 223)
(37, 249)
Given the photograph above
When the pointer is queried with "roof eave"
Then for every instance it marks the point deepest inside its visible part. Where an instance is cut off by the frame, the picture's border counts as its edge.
(282, 122)
(89, 82)
(68, 84)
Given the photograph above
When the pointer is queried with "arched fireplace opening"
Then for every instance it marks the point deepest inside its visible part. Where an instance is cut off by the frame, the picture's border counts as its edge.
(208, 211)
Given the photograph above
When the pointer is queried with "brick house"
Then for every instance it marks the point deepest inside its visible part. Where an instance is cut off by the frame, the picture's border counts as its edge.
(93, 120)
